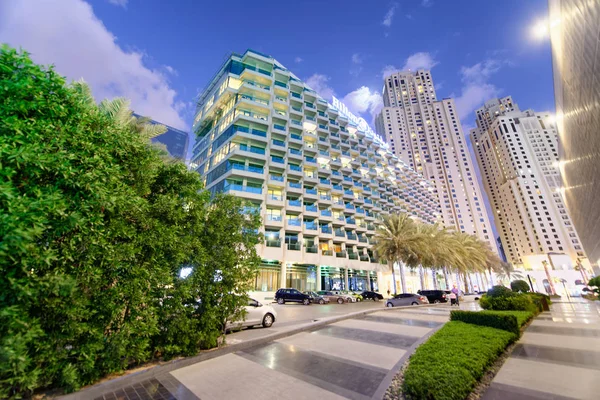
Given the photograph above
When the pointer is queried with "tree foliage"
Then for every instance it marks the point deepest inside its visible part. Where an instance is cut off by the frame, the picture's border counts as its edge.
(95, 227)
(520, 285)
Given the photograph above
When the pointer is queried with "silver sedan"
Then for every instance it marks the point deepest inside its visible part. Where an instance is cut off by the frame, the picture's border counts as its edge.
(406, 299)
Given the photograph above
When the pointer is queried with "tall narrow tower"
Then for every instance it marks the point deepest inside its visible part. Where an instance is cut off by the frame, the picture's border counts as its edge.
(427, 135)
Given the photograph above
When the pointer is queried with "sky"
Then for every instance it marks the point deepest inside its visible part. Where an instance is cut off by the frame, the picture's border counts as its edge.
(161, 54)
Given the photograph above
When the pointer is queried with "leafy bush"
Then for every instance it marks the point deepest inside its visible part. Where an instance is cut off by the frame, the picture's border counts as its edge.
(595, 281)
(94, 229)
(506, 321)
(513, 302)
(499, 291)
(541, 300)
(450, 363)
(519, 286)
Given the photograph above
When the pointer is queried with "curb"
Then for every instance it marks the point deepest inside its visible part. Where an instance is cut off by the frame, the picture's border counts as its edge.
(98, 389)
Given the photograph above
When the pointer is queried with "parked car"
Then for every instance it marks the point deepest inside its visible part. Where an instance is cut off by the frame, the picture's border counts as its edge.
(317, 298)
(347, 295)
(406, 299)
(338, 298)
(368, 295)
(285, 295)
(256, 314)
(434, 296)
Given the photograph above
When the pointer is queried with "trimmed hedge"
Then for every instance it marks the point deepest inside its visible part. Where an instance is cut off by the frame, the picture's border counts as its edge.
(511, 302)
(499, 291)
(507, 322)
(453, 360)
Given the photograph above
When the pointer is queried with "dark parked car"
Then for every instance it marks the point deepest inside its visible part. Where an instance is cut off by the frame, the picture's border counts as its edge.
(367, 295)
(317, 298)
(292, 295)
(434, 296)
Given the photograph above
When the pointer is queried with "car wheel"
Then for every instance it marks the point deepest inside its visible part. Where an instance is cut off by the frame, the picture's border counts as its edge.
(321, 301)
(306, 302)
(268, 320)
(414, 303)
(280, 301)
(340, 300)
(389, 305)
(436, 301)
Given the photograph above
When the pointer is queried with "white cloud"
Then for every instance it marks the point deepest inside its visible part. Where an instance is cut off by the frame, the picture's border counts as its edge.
(422, 60)
(409, 16)
(389, 16)
(120, 3)
(364, 100)
(69, 35)
(171, 70)
(298, 60)
(357, 58)
(388, 70)
(318, 83)
(427, 3)
(476, 88)
(415, 61)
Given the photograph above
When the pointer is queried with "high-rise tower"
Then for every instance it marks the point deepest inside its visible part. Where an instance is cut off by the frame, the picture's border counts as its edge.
(427, 135)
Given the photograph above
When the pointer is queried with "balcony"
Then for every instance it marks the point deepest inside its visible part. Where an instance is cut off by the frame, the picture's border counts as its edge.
(350, 221)
(340, 254)
(240, 188)
(353, 256)
(249, 168)
(294, 246)
(323, 181)
(273, 243)
(293, 222)
(327, 252)
(364, 258)
(311, 191)
(295, 136)
(281, 84)
(312, 208)
(363, 239)
(277, 160)
(311, 226)
(312, 249)
(326, 213)
(294, 203)
(351, 236)
(326, 229)
(276, 178)
(340, 233)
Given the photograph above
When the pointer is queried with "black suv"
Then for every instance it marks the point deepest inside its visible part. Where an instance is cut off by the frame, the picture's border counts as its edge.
(434, 296)
(284, 295)
(371, 295)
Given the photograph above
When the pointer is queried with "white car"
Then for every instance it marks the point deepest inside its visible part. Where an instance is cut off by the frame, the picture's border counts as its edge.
(256, 314)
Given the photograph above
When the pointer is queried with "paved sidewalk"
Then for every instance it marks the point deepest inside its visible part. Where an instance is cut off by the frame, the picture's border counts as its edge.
(354, 358)
(558, 356)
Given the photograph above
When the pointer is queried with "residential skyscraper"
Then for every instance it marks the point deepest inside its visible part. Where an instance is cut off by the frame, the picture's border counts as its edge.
(517, 152)
(320, 178)
(426, 133)
(573, 26)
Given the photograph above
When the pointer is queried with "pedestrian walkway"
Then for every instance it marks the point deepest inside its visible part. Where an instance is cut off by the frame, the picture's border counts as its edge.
(355, 358)
(558, 356)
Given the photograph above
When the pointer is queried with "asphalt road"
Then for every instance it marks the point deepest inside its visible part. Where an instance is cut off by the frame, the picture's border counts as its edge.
(290, 315)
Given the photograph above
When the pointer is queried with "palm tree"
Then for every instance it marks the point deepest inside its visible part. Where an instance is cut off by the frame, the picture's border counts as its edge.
(119, 109)
(468, 255)
(508, 271)
(549, 277)
(395, 242)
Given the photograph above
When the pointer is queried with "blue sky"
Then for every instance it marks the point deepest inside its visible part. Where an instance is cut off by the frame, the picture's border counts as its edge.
(161, 53)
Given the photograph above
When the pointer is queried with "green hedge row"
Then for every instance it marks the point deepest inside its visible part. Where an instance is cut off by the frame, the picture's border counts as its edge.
(453, 360)
(506, 321)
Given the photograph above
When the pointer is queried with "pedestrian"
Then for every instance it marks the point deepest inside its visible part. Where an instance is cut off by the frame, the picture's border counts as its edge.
(456, 292)
(389, 292)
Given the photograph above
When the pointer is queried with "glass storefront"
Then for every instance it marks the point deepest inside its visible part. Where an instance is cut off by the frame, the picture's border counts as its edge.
(301, 277)
(268, 277)
(332, 278)
(357, 280)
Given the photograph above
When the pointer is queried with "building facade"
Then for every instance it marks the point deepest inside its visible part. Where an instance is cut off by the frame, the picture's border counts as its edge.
(426, 134)
(517, 152)
(574, 32)
(175, 140)
(321, 183)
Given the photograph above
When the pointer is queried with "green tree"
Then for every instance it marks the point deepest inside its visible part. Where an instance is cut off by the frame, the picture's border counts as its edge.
(507, 271)
(519, 285)
(94, 229)
(395, 241)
